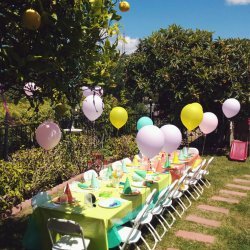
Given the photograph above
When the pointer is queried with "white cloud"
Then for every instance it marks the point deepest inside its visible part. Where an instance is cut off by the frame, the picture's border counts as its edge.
(238, 2)
(129, 46)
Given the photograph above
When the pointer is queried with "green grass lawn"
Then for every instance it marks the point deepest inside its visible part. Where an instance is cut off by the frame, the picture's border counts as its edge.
(234, 233)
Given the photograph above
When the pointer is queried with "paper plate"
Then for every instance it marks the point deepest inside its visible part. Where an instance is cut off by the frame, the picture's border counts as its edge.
(134, 192)
(56, 201)
(139, 184)
(109, 203)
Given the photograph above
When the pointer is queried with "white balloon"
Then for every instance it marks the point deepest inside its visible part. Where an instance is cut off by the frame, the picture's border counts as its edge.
(87, 91)
(29, 88)
(172, 136)
(92, 107)
(209, 123)
(150, 140)
(231, 107)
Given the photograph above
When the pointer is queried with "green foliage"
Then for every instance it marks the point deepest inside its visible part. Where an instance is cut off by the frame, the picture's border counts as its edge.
(70, 49)
(120, 147)
(176, 66)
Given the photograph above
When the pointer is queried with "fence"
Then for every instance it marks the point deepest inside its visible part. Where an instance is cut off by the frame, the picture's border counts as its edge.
(14, 137)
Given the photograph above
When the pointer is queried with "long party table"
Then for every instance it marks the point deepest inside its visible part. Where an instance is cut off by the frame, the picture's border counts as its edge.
(99, 224)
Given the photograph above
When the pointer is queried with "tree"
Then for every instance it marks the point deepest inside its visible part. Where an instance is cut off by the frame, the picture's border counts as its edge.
(69, 50)
(177, 66)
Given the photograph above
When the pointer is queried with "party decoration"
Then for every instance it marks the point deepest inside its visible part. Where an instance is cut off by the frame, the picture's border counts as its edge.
(88, 91)
(150, 140)
(191, 115)
(172, 137)
(143, 121)
(94, 181)
(124, 168)
(127, 188)
(141, 173)
(118, 117)
(181, 156)
(67, 191)
(209, 123)
(124, 6)
(48, 135)
(159, 168)
(185, 152)
(92, 107)
(175, 158)
(231, 107)
(167, 163)
(29, 88)
(31, 19)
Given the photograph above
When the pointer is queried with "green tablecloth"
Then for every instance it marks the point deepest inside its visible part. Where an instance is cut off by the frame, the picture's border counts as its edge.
(99, 224)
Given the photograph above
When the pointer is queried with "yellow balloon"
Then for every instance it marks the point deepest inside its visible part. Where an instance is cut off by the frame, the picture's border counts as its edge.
(118, 117)
(192, 115)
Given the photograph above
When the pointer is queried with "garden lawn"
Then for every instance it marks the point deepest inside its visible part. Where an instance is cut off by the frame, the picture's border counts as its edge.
(234, 232)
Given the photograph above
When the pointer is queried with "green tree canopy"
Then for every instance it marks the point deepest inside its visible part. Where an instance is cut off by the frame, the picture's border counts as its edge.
(69, 50)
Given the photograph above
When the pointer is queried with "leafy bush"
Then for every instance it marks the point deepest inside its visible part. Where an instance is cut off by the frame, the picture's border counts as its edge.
(120, 147)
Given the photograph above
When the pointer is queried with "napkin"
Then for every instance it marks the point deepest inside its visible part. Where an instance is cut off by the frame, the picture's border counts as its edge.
(68, 193)
(124, 168)
(181, 155)
(137, 177)
(141, 173)
(94, 182)
(175, 158)
(185, 152)
(127, 188)
(167, 162)
(83, 185)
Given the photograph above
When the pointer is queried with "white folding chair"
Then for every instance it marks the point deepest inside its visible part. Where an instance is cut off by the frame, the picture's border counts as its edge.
(131, 235)
(177, 194)
(39, 199)
(193, 181)
(88, 174)
(194, 151)
(204, 171)
(167, 203)
(71, 235)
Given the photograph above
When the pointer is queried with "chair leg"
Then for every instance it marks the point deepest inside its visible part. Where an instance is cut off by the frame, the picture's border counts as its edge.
(137, 247)
(196, 191)
(145, 242)
(196, 186)
(153, 231)
(183, 204)
(201, 188)
(164, 228)
(195, 198)
(176, 211)
(208, 183)
(173, 218)
(189, 201)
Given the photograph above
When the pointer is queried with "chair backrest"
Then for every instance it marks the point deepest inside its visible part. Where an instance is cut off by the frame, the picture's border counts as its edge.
(151, 196)
(88, 174)
(63, 226)
(39, 199)
(161, 197)
(197, 170)
(208, 163)
(193, 151)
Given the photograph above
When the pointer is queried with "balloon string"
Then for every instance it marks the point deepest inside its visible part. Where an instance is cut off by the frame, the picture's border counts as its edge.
(5, 106)
(204, 142)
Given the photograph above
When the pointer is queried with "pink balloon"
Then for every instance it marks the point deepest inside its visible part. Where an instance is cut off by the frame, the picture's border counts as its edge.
(29, 88)
(92, 107)
(150, 140)
(172, 136)
(231, 107)
(48, 135)
(209, 123)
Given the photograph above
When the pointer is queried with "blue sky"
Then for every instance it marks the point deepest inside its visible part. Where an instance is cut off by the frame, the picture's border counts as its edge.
(226, 18)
